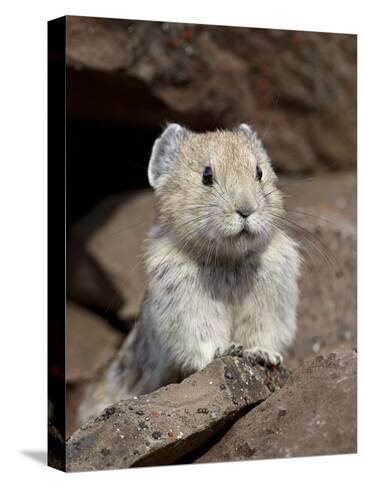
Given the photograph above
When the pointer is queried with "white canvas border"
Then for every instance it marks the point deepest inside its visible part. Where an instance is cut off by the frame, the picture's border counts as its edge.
(23, 244)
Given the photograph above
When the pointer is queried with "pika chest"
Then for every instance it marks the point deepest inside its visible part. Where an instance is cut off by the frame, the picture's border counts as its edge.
(229, 286)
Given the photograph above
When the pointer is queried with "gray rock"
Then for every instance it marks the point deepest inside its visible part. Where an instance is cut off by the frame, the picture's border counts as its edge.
(56, 448)
(87, 282)
(145, 73)
(111, 236)
(90, 343)
(162, 427)
(313, 414)
(74, 394)
(327, 192)
(327, 312)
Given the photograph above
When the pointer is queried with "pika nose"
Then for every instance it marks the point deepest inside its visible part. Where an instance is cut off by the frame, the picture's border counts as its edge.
(245, 212)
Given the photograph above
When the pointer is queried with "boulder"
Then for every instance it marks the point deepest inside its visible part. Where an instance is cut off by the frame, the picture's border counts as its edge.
(74, 394)
(55, 448)
(314, 413)
(112, 235)
(87, 282)
(166, 425)
(297, 88)
(90, 343)
(331, 192)
(327, 311)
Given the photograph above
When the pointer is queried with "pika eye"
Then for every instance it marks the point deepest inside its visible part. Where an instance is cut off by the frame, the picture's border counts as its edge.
(259, 173)
(207, 176)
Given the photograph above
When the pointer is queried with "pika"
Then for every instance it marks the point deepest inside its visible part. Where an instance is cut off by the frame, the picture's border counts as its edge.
(221, 271)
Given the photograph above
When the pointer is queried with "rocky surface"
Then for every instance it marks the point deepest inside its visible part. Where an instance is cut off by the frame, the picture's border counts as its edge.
(74, 394)
(162, 427)
(327, 310)
(56, 448)
(112, 235)
(332, 192)
(314, 413)
(87, 283)
(297, 88)
(90, 343)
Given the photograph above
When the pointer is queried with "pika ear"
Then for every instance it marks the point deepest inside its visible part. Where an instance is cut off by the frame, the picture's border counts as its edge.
(247, 130)
(250, 133)
(163, 153)
(253, 137)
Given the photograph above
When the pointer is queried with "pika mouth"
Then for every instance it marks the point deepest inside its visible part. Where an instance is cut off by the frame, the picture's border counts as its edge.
(244, 232)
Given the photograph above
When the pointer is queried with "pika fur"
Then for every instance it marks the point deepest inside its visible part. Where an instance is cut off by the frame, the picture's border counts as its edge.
(221, 272)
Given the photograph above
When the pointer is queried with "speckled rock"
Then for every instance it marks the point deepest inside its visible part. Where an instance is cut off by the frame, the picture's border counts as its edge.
(162, 427)
(314, 413)
(90, 343)
(297, 88)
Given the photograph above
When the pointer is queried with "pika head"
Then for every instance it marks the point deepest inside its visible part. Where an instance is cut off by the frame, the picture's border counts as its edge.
(216, 191)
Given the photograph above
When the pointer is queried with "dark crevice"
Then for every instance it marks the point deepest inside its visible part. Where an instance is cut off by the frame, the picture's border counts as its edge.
(103, 160)
(214, 439)
(109, 316)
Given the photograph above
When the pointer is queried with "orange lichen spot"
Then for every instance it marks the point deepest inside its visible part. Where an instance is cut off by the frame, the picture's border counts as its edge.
(187, 34)
(174, 44)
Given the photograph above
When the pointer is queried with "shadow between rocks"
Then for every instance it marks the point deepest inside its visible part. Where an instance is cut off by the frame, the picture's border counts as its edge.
(192, 456)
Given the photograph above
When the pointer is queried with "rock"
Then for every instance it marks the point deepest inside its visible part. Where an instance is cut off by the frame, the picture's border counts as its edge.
(74, 394)
(90, 343)
(112, 235)
(87, 283)
(313, 414)
(327, 311)
(297, 88)
(117, 246)
(162, 427)
(332, 192)
(56, 448)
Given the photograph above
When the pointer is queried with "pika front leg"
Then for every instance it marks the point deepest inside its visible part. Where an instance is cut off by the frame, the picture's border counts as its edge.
(233, 350)
(263, 356)
(254, 354)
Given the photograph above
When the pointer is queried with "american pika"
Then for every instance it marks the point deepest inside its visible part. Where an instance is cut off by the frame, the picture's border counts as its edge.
(221, 272)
